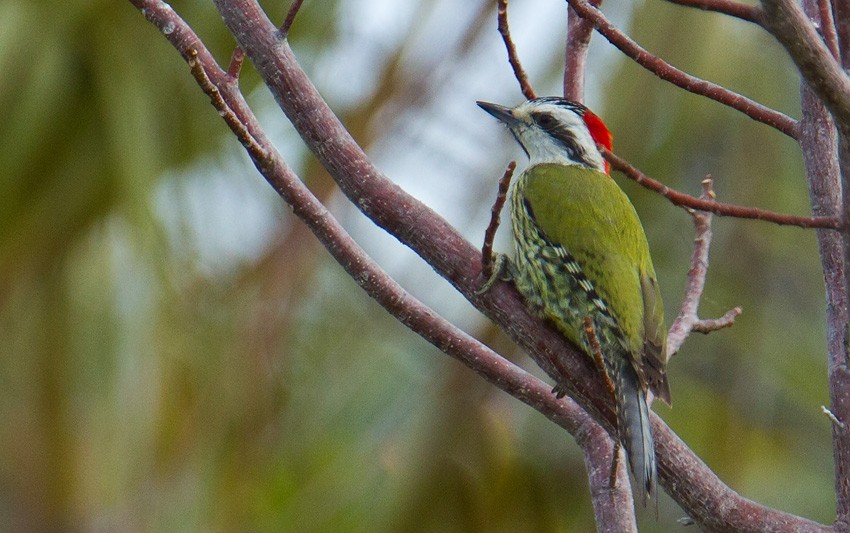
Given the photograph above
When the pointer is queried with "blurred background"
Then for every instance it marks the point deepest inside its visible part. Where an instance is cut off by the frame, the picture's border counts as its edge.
(178, 353)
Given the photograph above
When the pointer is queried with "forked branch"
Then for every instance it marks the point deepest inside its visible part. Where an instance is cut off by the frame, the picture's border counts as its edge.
(668, 72)
(688, 319)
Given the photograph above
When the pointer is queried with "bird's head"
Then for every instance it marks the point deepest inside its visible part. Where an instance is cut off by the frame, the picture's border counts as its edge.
(556, 130)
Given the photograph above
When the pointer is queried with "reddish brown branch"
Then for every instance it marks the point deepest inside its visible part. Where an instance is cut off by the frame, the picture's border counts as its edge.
(841, 18)
(688, 320)
(704, 204)
(727, 7)
(495, 215)
(667, 72)
(579, 32)
(513, 56)
(786, 20)
(290, 17)
(827, 171)
(827, 27)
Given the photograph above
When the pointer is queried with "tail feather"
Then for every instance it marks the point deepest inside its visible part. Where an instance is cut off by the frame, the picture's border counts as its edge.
(634, 430)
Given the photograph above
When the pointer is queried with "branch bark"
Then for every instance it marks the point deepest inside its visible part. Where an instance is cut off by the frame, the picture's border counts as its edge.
(579, 33)
(787, 22)
(825, 130)
(727, 7)
(818, 143)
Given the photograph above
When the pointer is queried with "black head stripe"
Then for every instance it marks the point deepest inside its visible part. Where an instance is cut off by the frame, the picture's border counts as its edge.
(563, 102)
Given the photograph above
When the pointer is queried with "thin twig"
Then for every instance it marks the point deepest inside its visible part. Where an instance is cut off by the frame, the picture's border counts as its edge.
(513, 57)
(290, 17)
(710, 205)
(727, 7)
(668, 72)
(495, 215)
(841, 17)
(217, 100)
(707, 325)
(827, 27)
(688, 320)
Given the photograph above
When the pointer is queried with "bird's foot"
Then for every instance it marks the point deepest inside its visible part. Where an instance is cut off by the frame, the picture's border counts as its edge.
(503, 270)
(559, 390)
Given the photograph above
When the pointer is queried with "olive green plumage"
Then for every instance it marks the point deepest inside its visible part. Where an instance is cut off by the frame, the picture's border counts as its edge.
(559, 209)
(581, 253)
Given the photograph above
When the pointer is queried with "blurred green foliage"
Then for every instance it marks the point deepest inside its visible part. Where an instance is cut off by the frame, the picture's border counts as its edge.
(146, 386)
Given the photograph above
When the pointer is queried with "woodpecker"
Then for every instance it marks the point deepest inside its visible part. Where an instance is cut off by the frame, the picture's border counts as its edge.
(581, 257)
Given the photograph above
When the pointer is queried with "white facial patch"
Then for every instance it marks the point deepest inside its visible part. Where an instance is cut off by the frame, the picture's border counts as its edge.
(544, 146)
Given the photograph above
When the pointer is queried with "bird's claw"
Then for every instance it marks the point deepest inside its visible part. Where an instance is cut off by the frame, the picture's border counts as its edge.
(503, 270)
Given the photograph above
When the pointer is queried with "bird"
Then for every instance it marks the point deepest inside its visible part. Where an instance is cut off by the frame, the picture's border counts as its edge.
(582, 261)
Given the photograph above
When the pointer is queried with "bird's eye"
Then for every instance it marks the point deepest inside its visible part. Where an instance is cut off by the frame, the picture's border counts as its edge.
(546, 120)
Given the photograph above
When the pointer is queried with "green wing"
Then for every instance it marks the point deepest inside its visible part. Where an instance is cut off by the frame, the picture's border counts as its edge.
(587, 213)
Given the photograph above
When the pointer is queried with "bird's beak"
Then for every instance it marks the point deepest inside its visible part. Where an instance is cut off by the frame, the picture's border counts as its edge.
(504, 114)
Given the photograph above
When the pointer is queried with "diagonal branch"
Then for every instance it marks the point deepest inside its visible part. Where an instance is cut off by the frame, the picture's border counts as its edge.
(827, 27)
(513, 56)
(727, 7)
(713, 206)
(668, 72)
(290, 17)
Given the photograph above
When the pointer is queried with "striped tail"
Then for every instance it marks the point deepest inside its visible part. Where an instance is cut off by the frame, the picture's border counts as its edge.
(634, 430)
